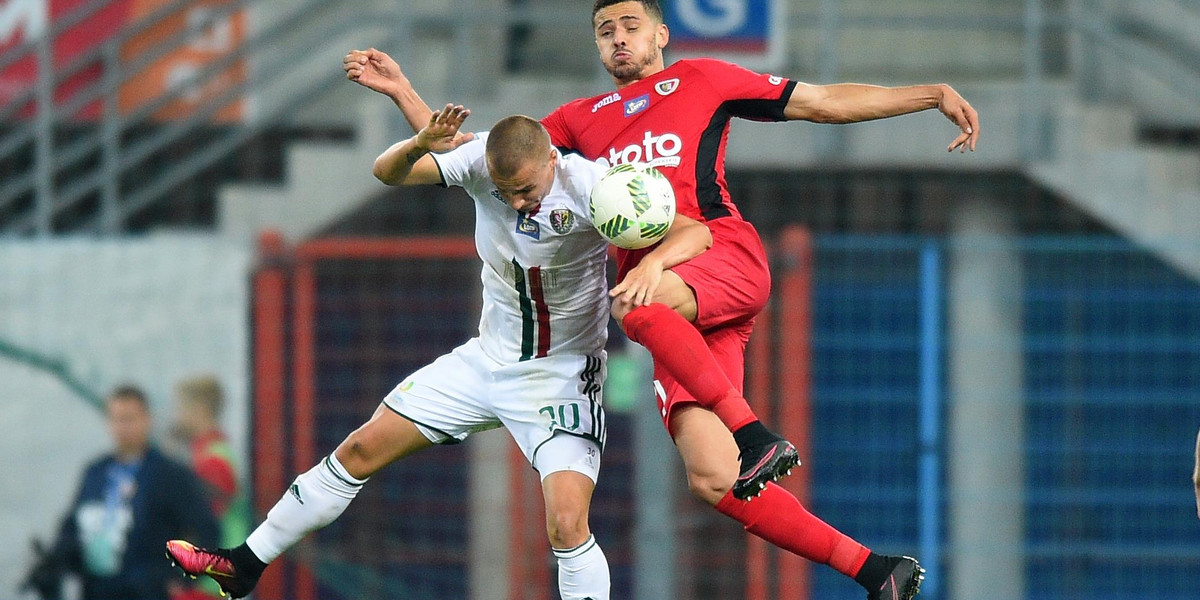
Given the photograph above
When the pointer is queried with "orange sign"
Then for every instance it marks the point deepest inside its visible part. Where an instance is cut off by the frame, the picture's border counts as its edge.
(180, 72)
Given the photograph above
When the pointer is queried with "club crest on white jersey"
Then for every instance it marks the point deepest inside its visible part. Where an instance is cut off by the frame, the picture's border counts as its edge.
(562, 220)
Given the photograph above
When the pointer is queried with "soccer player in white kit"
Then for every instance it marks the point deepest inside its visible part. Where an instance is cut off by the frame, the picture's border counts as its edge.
(536, 368)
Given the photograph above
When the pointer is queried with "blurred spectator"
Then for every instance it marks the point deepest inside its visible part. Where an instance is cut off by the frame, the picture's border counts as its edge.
(199, 402)
(129, 503)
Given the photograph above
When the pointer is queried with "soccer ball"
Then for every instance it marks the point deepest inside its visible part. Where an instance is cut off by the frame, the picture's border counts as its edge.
(633, 205)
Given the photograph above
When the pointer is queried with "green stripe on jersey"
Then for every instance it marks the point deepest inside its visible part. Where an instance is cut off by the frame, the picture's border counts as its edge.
(526, 311)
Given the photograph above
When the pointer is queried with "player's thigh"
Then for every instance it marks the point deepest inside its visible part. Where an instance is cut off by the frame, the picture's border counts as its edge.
(450, 398)
(677, 294)
(709, 453)
(731, 281)
(672, 291)
(442, 402)
(542, 399)
(383, 439)
(728, 347)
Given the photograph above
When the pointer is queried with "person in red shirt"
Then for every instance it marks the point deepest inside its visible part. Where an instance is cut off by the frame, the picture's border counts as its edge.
(697, 323)
(199, 403)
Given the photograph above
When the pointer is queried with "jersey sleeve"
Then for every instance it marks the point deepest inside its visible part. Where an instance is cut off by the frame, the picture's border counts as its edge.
(747, 94)
(460, 167)
(560, 133)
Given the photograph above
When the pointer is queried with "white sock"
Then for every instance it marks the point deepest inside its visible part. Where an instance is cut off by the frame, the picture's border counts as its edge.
(583, 572)
(313, 501)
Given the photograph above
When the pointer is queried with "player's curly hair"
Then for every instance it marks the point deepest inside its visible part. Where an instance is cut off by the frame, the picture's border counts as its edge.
(651, 6)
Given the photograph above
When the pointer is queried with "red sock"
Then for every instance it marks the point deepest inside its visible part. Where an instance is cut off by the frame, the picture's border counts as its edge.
(778, 517)
(679, 348)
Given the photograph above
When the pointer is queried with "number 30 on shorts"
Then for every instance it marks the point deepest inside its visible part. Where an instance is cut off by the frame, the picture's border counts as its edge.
(559, 416)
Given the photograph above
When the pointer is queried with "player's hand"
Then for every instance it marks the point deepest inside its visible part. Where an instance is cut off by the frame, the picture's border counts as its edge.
(441, 134)
(373, 69)
(639, 284)
(960, 112)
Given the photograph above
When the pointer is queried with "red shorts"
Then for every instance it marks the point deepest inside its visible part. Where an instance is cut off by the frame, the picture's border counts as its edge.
(732, 281)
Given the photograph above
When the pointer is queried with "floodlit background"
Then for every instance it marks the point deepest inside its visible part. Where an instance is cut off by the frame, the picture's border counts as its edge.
(990, 361)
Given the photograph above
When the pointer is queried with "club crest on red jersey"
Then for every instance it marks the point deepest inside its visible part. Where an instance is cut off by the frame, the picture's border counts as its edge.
(667, 86)
(561, 220)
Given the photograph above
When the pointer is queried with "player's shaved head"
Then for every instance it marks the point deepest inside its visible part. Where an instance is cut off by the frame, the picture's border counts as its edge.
(515, 142)
(651, 6)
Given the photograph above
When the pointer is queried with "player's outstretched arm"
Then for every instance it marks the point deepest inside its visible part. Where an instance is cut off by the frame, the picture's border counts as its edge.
(408, 162)
(375, 70)
(855, 102)
(686, 239)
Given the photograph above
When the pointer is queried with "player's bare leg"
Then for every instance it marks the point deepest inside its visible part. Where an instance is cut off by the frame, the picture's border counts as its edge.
(582, 567)
(665, 328)
(709, 453)
(384, 439)
(709, 456)
(314, 500)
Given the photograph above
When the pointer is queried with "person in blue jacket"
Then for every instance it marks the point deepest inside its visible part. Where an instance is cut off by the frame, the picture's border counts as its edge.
(129, 503)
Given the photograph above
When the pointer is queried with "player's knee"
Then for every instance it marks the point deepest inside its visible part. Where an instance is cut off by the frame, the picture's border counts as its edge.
(356, 456)
(709, 487)
(619, 309)
(567, 526)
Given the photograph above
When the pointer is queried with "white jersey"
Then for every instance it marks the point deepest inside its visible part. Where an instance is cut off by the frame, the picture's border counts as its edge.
(544, 282)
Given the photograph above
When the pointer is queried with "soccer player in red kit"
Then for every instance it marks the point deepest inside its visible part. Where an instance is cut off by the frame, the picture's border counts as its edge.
(698, 321)
(677, 118)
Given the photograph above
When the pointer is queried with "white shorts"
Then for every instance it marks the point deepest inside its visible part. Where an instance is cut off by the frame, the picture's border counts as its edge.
(465, 391)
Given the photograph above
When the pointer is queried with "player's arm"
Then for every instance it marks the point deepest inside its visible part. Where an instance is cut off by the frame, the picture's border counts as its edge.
(1196, 474)
(855, 102)
(408, 162)
(375, 70)
(686, 239)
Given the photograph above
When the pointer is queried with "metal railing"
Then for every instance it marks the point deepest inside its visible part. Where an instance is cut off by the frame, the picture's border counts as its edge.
(103, 157)
(102, 162)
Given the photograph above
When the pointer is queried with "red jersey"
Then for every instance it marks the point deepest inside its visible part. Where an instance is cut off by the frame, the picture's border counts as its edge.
(212, 460)
(676, 120)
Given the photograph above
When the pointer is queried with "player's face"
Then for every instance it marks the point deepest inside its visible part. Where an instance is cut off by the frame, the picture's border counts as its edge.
(630, 41)
(525, 190)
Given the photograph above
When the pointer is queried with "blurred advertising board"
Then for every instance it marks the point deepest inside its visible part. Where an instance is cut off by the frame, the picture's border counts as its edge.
(748, 32)
(180, 56)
